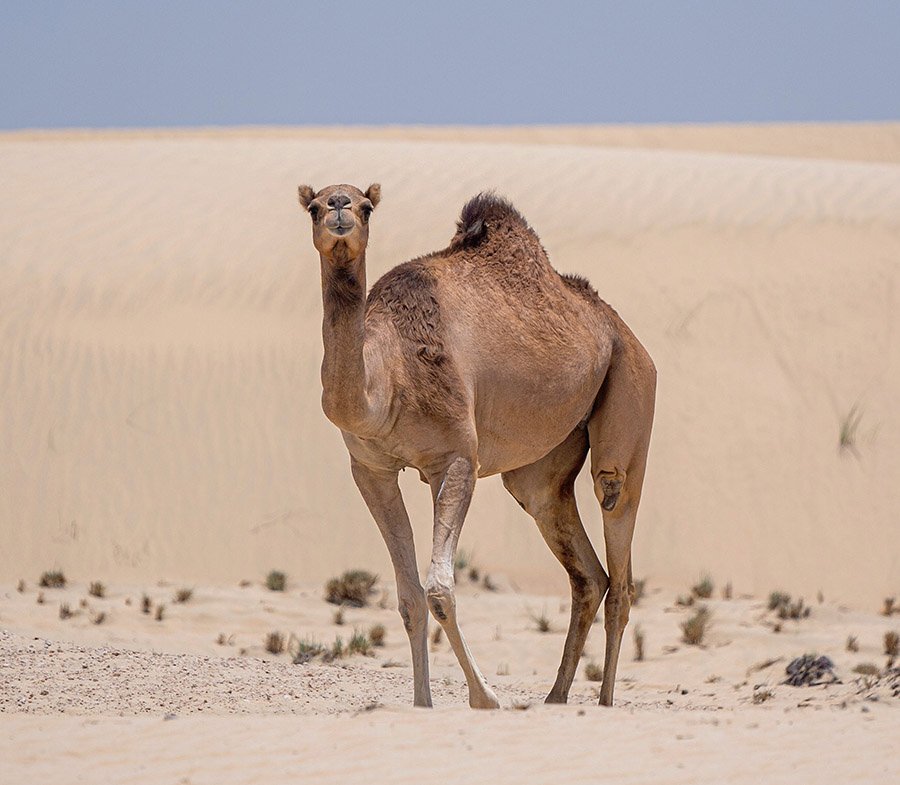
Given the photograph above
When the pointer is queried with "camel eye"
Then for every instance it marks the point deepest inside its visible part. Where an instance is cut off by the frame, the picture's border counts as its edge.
(366, 211)
(314, 212)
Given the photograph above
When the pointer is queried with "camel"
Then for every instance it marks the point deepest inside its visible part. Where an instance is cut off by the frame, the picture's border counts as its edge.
(477, 360)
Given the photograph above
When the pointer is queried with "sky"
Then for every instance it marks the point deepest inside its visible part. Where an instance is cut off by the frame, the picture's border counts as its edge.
(124, 63)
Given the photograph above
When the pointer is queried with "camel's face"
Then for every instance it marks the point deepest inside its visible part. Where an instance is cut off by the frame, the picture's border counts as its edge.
(340, 216)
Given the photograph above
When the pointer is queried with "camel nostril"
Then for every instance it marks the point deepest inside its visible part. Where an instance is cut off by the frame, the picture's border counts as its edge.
(338, 201)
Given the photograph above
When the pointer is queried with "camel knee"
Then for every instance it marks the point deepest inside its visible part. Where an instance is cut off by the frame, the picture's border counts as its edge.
(589, 590)
(617, 608)
(608, 485)
(413, 610)
(440, 598)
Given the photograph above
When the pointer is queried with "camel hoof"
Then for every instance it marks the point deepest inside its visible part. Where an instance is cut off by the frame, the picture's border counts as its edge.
(554, 698)
(486, 701)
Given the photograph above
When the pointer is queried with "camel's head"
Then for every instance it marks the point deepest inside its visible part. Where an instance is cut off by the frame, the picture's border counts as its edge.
(340, 216)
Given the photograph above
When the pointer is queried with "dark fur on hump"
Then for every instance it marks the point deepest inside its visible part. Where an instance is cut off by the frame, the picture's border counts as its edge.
(582, 286)
(473, 226)
(407, 293)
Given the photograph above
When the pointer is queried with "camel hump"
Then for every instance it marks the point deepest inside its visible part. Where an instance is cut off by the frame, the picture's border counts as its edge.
(482, 213)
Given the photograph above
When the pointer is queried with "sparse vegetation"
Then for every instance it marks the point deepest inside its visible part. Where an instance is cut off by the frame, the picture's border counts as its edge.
(98, 618)
(302, 651)
(541, 622)
(437, 635)
(503, 669)
(64, 611)
(274, 643)
(360, 644)
(704, 588)
(97, 589)
(336, 651)
(146, 604)
(694, 628)
(638, 643)
(20, 587)
(777, 599)
(593, 671)
(852, 643)
(889, 606)
(867, 669)
(794, 610)
(160, 612)
(276, 580)
(351, 588)
(892, 644)
(40, 598)
(762, 695)
(487, 584)
(183, 595)
(461, 562)
(640, 587)
(338, 617)
(474, 575)
(383, 600)
(849, 428)
(377, 634)
(684, 601)
(52, 579)
(727, 591)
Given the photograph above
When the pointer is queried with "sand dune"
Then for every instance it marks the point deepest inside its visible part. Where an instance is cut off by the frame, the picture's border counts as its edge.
(160, 344)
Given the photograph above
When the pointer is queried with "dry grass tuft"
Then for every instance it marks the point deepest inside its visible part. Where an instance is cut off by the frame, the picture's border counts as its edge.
(889, 606)
(302, 651)
(777, 599)
(160, 612)
(503, 669)
(541, 622)
(338, 617)
(593, 671)
(849, 428)
(352, 588)
(98, 618)
(867, 669)
(762, 695)
(360, 644)
(97, 589)
(703, 590)
(40, 598)
(274, 643)
(65, 612)
(891, 644)
(437, 635)
(694, 628)
(640, 589)
(20, 586)
(276, 580)
(684, 601)
(487, 584)
(794, 610)
(461, 562)
(852, 643)
(728, 591)
(146, 604)
(183, 595)
(377, 634)
(52, 579)
(638, 643)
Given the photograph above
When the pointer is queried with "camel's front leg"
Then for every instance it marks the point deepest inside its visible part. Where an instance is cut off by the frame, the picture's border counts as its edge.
(382, 496)
(451, 502)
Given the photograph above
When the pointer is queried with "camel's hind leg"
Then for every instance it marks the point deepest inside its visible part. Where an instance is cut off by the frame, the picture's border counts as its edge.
(546, 489)
(619, 433)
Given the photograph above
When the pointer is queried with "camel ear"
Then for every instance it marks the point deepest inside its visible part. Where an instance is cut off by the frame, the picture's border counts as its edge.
(373, 194)
(307, 194)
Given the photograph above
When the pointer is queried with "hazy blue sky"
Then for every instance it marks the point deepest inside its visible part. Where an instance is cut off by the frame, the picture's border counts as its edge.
(162, 63)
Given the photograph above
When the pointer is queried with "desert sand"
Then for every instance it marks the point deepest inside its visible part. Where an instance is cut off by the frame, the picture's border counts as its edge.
(159, 353)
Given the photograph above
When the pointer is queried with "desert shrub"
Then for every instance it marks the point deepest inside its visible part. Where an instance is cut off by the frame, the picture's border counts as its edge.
(727, 591)
(794, 610)
(640, 588)
(437, 635)
(64, 611)
(160, 612)
(867, 669)
(146, 604)
(276, 580)
(338, 617)
(891, 643)
(183, 595)
(377, 634)
(98, 618)
(762, 695)
(684, 601)
(302, 651)
(777, 599)
(694, 628)
(462, 560)
(20, 586)
(541, 622)
(97, 589)
(53, 579)
(638, 643)
(274, 643)
(359, 644)
(593, 671)
(487, 584)
(889, 606)
(852, 643)
(351, 588)
(704, 588)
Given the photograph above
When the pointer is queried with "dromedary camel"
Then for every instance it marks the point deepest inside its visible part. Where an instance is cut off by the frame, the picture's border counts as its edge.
(476, 360)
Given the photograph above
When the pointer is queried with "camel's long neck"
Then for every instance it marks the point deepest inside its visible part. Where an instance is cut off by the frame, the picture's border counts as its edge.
(344, 398)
